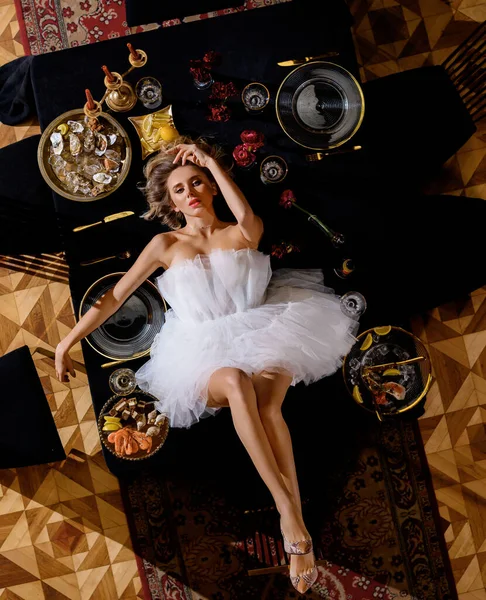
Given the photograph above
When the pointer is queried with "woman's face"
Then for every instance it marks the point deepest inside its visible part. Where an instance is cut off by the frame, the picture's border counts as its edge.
(190, 189)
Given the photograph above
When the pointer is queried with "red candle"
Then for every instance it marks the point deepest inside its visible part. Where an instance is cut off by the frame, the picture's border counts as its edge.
(108, 73)
(89, 98)
(133, 52)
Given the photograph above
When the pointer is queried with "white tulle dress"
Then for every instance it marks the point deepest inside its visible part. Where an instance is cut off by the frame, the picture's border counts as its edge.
(229, 310)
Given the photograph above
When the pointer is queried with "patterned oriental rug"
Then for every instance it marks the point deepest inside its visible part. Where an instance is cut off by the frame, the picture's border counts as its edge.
(55, 25)
(377, 521)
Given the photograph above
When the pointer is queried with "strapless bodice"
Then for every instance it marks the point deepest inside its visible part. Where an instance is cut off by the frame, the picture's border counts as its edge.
(210, 286)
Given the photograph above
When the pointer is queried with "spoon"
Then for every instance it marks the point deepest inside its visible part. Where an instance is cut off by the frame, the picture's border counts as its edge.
(121, 256)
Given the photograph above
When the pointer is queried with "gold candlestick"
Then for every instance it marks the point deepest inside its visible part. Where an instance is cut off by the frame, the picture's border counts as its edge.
(121, 96)
(137, 58)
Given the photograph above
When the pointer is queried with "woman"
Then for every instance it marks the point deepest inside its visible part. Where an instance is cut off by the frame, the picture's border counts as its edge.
(236, 335)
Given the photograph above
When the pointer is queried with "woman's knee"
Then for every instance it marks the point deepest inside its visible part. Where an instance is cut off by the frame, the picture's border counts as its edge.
(270, 408)
(229, 381)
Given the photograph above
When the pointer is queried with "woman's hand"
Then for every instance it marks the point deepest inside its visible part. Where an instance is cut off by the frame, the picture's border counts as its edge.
(185, 152)
(64, 364)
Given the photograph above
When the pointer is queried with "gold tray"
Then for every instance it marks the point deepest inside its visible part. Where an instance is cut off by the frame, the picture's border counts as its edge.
(47, 171)
(103, 434)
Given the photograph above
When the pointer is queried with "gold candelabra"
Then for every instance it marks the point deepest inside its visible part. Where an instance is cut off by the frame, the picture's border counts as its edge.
(119, 95)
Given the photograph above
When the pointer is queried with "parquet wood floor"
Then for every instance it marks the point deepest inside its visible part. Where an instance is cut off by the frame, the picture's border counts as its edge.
(63, 533)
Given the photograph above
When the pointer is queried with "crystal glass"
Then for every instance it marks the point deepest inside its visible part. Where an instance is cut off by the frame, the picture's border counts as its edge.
(273, 169)
(353, 304)
(255, 96)
(122, 381)
(149, 92)
(204, 84)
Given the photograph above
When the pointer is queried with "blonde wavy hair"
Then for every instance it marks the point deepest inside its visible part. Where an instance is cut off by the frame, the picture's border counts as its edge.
(157, 172)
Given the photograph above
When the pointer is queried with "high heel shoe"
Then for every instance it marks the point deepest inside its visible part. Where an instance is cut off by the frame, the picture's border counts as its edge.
(308, 578)
(301, 547)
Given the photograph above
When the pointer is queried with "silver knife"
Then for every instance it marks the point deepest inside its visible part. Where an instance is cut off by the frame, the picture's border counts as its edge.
(120, 215)
(301, 61)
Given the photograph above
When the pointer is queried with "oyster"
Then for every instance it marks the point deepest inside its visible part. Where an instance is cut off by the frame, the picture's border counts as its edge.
(102, 178)
(75, 146)
(111, 138)
(75, 126)
(101, 144)
(57, 142)
(111, 165)
(89, 141)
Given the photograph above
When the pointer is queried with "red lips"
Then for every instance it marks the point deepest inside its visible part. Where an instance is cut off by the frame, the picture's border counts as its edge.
(194, 202)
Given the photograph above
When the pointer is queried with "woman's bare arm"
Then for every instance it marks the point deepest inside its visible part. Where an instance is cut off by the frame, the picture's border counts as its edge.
(250, 224)
(149, 260)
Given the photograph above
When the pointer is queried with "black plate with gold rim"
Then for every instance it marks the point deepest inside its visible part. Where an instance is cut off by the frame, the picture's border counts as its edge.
(320, 105)
(132, 329)
(397, 346)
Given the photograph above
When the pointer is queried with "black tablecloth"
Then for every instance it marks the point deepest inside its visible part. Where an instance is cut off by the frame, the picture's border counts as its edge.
(397, 270)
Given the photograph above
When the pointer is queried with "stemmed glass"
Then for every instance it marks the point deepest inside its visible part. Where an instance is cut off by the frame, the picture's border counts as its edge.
(353, 304)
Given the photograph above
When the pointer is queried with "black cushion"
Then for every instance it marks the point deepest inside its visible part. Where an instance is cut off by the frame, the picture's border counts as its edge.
(414, 121)
(16, 97)
(28, 432)
(27, 216)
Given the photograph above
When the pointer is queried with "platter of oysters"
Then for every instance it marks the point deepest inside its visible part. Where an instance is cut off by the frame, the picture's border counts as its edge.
(131, 427)
(84, 158)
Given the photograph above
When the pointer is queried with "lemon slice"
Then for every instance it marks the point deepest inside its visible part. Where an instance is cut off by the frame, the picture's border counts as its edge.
(112, 427)
(160, 120)
(112, 419)
(391, 372)
(156, 136)
(63, 128)
(385, 330)
(147, 124)
(367, 343)
(357, 394)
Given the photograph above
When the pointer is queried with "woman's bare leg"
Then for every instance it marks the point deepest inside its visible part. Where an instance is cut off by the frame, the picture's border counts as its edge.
(234, 388)
(270, 389)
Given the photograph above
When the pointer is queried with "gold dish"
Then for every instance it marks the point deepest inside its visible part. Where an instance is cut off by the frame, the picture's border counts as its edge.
(158, 440)
(154, 129)
(121, 147)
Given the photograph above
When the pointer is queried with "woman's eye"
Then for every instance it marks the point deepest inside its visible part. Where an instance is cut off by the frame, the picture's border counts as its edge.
(179, 190)
(196, 182)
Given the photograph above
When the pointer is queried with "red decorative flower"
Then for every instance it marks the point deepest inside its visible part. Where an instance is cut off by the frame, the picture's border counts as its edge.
(72, 27)
(287, 198)
(86, 5)
(200, 74)
(212, 58)
(219, 113)
(222, 91)
(67, 12)
(252, 139)
(243, 157)
(277, 251)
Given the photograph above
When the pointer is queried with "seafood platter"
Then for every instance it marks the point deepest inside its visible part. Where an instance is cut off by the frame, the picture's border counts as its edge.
(131, 427)
(84, 158)
(387, 371)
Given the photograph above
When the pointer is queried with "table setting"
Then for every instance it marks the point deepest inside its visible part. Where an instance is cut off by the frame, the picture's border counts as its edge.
(281, 94)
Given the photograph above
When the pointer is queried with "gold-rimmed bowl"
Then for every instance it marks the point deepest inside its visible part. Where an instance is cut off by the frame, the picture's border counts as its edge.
(320, 105)
(388, 348)
(158, 440)
(44, 153)
(131, 330)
